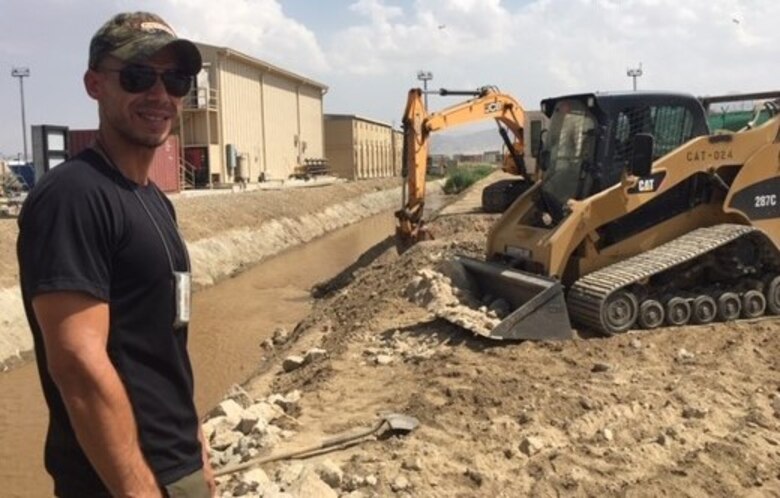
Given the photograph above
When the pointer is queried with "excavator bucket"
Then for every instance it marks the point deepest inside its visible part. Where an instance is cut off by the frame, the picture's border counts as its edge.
(537, 302)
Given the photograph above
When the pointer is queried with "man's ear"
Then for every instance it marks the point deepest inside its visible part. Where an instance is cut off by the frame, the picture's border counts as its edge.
(92, 83)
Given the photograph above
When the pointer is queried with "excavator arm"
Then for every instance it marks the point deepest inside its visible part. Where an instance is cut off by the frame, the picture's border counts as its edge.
(418, 125)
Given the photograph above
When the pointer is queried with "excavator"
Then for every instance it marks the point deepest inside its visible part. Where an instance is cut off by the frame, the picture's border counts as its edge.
(418, 126)
(648, 221)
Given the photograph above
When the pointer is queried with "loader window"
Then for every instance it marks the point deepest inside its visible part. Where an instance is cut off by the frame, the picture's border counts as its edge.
(670, 125)
(570, 147)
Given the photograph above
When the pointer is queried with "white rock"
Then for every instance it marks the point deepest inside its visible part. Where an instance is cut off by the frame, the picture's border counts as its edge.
(273, 490)
(247, 425)
(244, 488)
(608, 435)
(289, 473)
(216, 424)
(239, 395)
(531, 445)
(292, 363)
(246, 448)
(314, 355)
(280, 335)
(330, 473)
(223, 440)
(354, 494)
(685, 355)
(257, 475)
(228, 408)
(287, 434)
(400, 483)
(383, 360)
(264, 411)
(371, 480)
(310, 485)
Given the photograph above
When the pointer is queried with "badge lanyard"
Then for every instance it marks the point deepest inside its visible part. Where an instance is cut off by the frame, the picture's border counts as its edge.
(182, 280)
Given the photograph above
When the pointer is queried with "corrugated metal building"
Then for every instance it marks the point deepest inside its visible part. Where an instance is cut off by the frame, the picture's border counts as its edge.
(250, 120)
(358, 147)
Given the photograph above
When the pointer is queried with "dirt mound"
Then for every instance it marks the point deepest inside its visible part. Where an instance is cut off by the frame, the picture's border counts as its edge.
(676, 412)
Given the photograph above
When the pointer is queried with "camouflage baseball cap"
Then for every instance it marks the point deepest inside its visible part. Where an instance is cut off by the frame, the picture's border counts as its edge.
(136, 36)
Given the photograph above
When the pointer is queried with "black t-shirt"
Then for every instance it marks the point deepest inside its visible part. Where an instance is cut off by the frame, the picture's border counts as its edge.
(84, 227)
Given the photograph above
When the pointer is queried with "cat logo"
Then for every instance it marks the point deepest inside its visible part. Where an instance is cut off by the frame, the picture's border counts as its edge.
(646, 185)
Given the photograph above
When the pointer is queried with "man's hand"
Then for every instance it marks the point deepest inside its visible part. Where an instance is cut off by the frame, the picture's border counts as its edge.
(208, 471)
(75, 335)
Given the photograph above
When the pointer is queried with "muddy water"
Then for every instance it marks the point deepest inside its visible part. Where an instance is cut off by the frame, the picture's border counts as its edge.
(229, 322)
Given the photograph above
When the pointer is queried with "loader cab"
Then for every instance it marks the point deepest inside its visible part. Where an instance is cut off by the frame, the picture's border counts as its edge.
(590, 139)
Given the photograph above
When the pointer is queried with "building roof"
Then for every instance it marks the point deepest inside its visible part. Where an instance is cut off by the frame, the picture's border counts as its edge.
(357, 118)
(248, 59)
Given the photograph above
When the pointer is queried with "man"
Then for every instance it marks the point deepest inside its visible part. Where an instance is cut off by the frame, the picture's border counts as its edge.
(105, 280)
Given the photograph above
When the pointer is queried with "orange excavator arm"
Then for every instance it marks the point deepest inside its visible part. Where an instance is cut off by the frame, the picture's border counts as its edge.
(418, 125)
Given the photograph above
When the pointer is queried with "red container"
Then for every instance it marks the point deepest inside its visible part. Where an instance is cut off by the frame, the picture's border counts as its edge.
(165, 165)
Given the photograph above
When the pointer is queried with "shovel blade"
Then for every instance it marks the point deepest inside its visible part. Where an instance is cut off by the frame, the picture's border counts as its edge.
(398, 422)
(538, 302)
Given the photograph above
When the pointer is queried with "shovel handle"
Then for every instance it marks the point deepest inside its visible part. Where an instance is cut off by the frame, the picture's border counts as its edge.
(324, 444)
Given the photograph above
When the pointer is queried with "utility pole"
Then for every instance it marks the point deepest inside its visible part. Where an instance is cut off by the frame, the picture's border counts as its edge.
(425, 76)
(21, 73)
(634, 73)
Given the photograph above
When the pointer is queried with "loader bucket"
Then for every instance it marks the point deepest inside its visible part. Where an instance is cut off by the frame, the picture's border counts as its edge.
(538, 304)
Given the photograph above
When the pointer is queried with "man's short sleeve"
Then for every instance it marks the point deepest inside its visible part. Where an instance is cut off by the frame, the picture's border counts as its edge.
(67, 234)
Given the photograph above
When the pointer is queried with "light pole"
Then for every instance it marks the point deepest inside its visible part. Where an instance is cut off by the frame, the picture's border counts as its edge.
(425, 76)
(634, 73)
(21, 73)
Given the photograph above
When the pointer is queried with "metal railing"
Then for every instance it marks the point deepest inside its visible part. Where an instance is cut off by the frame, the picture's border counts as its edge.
(201, 98)
(186, 175)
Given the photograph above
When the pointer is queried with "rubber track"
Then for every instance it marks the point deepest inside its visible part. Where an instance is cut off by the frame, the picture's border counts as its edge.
(588, 295)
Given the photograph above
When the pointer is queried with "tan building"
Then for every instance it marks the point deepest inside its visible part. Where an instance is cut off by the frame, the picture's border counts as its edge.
(248, 120)
(358, 147)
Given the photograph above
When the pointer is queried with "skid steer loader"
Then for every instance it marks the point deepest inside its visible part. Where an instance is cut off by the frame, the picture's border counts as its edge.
(690, 237)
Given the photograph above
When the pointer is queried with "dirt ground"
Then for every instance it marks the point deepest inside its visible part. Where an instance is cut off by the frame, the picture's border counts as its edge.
(693, 411)
(673, 412)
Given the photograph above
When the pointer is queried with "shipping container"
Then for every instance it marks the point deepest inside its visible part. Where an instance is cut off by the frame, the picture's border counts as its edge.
(165, 165)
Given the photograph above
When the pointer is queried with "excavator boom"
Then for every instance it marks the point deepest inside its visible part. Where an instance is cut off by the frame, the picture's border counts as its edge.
(418, 125)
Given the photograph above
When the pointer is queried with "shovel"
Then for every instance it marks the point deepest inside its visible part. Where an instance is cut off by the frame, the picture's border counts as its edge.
(393, 422)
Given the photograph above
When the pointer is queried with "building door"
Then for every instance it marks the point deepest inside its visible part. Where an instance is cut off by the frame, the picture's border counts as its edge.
(197, 164)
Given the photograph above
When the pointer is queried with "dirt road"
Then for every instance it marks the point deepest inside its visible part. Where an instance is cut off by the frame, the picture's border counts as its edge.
(684, 412)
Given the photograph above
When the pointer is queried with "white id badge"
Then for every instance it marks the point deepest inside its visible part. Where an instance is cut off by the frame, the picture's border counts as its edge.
(183, 286)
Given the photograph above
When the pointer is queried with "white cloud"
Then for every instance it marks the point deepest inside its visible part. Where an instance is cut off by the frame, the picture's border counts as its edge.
(529, 48)
(258, 28)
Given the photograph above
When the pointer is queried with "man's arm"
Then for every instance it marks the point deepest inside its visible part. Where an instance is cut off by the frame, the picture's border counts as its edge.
(75, 334)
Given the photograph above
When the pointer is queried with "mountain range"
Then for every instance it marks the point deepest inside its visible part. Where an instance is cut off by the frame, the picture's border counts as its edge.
(475, 142)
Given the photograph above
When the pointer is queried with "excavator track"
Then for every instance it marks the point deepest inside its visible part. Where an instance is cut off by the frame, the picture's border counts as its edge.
(588, 296)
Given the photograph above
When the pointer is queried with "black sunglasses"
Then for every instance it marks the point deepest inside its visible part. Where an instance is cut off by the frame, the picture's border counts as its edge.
(137, 78)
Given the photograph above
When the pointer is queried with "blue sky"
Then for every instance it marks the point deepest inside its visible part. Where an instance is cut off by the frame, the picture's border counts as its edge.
(368, 51)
